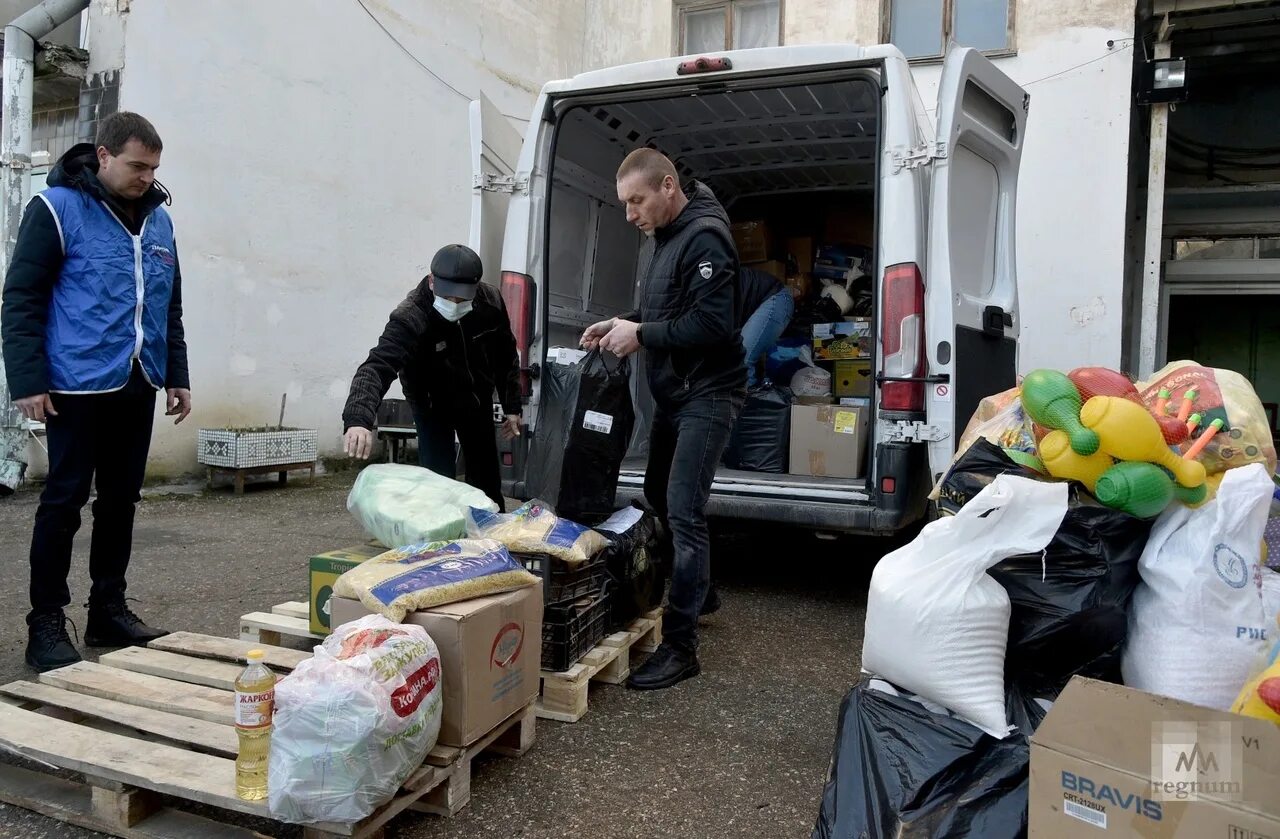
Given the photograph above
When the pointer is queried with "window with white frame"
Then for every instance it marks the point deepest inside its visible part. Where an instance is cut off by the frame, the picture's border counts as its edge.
(704, 26)
(922, 29)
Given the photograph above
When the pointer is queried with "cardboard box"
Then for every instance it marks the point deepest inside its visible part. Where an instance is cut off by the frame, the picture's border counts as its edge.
(753, 239)
(324, 569)
(1109, 760)
(847, 339)
(776, 267)
(852, 378)
(850, 226)
(828, 440)
(490, 656)
(802, 249)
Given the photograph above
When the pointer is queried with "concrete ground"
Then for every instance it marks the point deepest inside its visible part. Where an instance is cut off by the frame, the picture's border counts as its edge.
(741, 751)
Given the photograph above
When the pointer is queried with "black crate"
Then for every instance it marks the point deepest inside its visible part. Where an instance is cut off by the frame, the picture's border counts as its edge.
(560, 581)
(570, 630)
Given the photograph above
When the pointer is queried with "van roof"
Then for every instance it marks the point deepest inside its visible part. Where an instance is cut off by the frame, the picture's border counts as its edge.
(744, 61)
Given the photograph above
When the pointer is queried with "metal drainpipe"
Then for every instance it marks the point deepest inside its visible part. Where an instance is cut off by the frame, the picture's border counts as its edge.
(20, 38)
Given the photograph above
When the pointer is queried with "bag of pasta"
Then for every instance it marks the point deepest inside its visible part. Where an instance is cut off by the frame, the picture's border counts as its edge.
(535, 529)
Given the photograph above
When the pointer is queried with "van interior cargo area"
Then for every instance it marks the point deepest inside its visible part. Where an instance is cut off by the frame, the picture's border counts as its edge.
(799, 157)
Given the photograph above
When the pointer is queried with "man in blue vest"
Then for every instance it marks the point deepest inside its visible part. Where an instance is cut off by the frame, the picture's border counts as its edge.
(92, 328)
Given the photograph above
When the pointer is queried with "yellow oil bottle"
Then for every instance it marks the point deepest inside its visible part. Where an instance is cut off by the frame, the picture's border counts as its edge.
(255, 702)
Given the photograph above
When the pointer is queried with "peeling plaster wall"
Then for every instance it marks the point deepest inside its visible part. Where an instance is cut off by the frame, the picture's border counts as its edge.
(315, 169)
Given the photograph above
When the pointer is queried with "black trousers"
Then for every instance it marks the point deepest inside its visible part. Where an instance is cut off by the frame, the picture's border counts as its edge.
(685, 446)
(475, 431)
(96, 441)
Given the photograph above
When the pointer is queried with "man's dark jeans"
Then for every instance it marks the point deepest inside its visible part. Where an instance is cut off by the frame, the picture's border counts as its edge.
(685, 446)
(476, 436)
(98, 440)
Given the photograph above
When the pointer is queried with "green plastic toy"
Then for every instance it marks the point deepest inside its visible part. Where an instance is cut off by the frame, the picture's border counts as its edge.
(1143, 490)
(1053, 401)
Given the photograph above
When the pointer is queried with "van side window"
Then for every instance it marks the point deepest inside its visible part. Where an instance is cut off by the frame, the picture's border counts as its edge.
(709, 26)
(922, 29)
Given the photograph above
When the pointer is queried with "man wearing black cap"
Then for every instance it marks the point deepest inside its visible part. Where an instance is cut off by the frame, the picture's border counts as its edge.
(451, 345)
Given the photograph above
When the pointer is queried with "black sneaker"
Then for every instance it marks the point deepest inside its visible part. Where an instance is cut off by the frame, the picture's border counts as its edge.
(48, 644)
(666, 667)
(115, 625)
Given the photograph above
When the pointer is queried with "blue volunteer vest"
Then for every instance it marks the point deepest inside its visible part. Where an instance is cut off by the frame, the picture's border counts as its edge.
(111, 302)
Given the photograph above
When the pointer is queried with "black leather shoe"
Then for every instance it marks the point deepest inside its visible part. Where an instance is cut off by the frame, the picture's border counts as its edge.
(666, 667)
(115, 625)
(711, 604)
(48, 644)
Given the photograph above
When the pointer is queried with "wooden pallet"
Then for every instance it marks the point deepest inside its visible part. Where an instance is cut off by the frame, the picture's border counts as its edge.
(285, 620)
(564, 695)
(142, 722)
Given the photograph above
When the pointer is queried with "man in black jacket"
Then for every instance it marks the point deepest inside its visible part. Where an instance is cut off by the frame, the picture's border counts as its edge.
(688, 323)
(451, 345)
(92, 326)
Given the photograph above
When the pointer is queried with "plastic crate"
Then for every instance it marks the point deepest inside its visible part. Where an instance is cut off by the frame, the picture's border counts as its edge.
(570, 630)
(560, 582)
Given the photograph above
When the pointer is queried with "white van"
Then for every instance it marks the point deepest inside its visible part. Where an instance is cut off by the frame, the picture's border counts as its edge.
(785, 130)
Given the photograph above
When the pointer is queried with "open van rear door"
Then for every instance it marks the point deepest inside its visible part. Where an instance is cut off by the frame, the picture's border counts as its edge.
(495, 150)
(971, 303)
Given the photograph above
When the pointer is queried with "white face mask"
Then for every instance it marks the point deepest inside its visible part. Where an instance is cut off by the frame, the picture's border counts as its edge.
(450, 311)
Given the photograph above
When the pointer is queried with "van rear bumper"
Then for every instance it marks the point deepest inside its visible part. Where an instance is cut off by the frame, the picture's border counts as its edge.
(843, 517)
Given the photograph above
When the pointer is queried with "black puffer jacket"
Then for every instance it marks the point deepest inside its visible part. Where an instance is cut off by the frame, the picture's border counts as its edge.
(450, 369)
(690, 304)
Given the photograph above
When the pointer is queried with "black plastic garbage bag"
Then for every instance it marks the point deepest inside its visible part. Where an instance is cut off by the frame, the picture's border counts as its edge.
(899, 770)
(634, 563)
(584, 428)
(1069, 605)
(761, 437)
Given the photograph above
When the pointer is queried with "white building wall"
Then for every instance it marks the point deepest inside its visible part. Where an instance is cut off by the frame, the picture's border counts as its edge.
(315, 169)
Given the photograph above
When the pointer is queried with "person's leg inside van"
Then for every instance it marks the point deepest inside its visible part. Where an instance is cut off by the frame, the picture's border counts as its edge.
(763, 329)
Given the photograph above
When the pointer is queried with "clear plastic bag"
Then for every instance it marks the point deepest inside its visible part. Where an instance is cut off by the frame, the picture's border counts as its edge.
(417, 577)
(401, 505)
(353, 722)
(535, 529)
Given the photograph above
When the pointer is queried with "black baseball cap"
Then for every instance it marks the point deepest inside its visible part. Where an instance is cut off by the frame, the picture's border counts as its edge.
(456, 271)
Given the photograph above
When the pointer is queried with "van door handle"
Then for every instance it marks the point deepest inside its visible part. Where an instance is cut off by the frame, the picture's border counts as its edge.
(939, 379)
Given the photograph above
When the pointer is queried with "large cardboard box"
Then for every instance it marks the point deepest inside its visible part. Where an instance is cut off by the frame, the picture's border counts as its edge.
(828, 440)
(1109, 760)
(850, 338)
(324, 569)
(849, 226)
(490, 656)
(753, 239)
(852, 378)
(776, 267)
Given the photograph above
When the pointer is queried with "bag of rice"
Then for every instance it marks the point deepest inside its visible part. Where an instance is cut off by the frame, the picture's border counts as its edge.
(422, 576)
(534, 529)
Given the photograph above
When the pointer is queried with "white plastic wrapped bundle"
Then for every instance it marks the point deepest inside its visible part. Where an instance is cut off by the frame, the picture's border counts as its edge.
(353, 722)
(403, 505)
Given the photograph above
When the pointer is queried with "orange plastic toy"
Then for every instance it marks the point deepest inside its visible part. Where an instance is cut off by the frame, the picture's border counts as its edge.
(1127, 431)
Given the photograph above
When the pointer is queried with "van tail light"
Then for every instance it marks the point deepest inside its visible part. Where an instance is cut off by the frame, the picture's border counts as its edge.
(902, 337)
(519, 297)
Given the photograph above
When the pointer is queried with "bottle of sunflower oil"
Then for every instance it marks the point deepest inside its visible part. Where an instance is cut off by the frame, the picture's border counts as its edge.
(255, 701)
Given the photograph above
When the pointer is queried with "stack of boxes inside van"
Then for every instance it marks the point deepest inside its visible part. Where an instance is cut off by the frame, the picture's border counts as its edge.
(822, 363)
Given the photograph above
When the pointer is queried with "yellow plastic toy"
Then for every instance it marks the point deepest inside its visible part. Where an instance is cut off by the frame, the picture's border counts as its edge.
(1260, 696)
(1127, 431)
(1062, 461)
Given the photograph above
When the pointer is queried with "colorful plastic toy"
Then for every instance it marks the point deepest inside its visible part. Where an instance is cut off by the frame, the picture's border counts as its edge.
(1129, 432)
(1051, 400)
(1030, 461)
(1203, 441)
(1099, 381)
(1188, 399)
(1063, 462)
